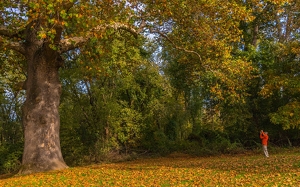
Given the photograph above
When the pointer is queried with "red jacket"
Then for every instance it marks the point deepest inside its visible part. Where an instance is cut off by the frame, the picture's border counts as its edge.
(264, 138)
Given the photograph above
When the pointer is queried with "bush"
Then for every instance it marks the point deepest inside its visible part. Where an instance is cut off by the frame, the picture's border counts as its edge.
(236, 148)
(10, 158)
(13, 163)
(157, 142)
(209, 142)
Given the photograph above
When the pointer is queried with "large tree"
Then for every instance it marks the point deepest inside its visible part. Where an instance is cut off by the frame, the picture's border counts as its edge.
(42, 31)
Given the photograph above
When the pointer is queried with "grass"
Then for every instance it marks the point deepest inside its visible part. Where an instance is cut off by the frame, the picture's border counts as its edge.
(280, 169)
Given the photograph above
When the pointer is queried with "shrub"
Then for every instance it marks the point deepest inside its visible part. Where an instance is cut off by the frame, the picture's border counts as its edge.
(10, 158)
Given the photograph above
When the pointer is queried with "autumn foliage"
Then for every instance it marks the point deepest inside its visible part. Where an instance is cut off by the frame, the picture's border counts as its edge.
(281, 169)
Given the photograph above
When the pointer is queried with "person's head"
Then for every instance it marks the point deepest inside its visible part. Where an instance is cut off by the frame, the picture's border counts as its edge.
(266, 132)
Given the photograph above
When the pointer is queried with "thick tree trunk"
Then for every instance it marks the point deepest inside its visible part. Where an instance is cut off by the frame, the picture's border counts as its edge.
(42, 151)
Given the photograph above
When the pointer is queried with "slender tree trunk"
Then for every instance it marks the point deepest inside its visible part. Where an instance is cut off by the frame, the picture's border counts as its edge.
(42, 151)
(255, 35)
(288, 27)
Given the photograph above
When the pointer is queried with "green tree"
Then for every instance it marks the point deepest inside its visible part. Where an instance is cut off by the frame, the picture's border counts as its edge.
(201, 66)
(267, 43)
(108, 108)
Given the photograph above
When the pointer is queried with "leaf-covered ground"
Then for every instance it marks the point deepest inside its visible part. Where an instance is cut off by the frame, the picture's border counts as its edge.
(177, 170)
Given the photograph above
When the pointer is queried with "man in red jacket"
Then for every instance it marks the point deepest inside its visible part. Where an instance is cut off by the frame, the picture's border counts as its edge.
(264, 141)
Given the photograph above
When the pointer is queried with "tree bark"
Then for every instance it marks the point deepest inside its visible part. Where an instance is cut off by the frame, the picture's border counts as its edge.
(41, 122)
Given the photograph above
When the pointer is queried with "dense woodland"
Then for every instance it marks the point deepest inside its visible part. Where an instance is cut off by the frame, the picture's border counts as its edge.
(149, 77)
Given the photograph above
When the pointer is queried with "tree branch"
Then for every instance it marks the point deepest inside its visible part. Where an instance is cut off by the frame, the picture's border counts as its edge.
(6, 32)
(10, 33)
(68, 5)
(72, 43)
(16, 46)
(75, 42)
(142, 26)
(176, 47)
(117, 26)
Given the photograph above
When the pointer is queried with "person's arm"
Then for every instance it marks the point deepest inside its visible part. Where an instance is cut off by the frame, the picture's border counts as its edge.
(262, 134)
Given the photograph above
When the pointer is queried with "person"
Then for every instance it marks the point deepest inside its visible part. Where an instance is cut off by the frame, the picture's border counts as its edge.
(264, 141)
